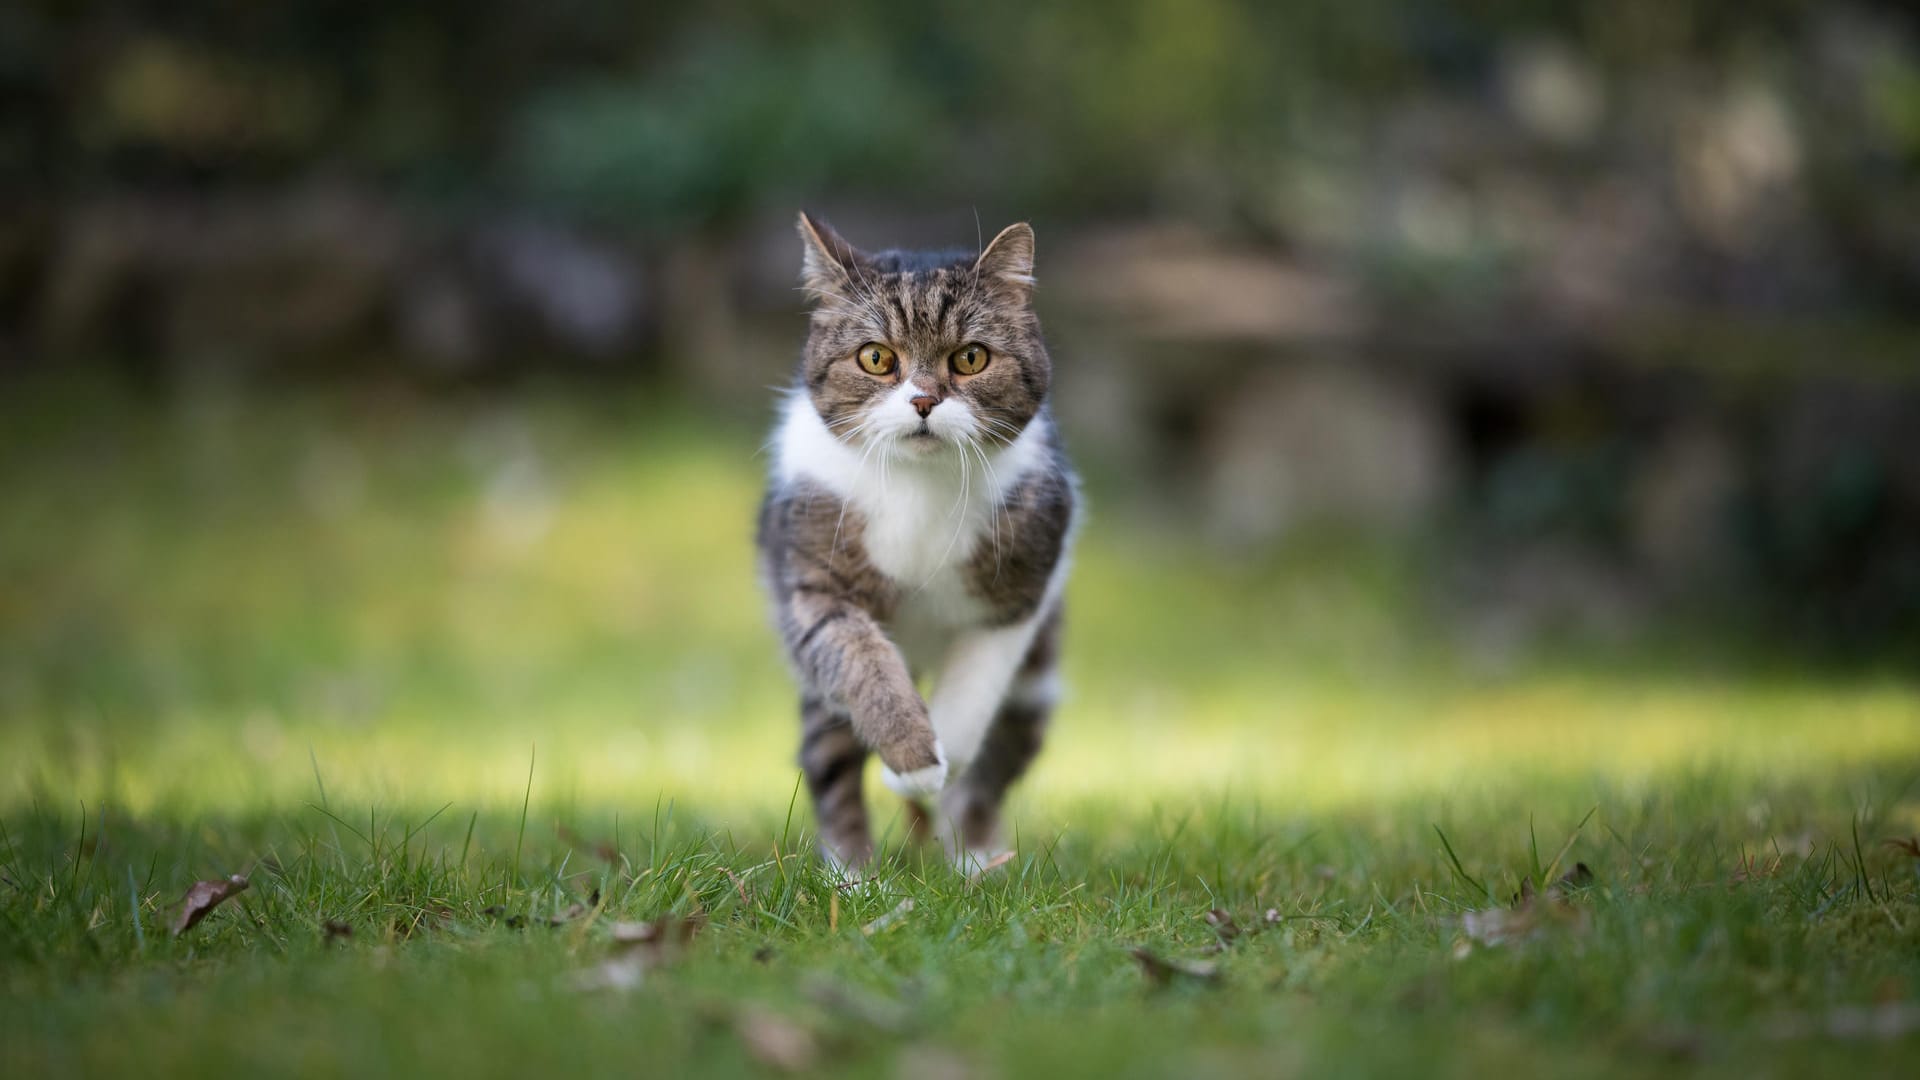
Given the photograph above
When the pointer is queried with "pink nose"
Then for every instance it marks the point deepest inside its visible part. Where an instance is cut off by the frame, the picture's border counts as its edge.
(923, 404)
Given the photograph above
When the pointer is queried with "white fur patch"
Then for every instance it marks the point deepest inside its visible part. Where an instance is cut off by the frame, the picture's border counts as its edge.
(1036, 691)
(920, 783)
(926, 510)
(973, 681)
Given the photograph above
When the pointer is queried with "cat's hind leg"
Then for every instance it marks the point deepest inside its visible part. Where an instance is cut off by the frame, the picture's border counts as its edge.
(971, 807)
(833, 759)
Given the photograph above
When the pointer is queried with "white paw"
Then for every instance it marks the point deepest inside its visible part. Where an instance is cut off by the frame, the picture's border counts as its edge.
(920, 783)
(854, 880)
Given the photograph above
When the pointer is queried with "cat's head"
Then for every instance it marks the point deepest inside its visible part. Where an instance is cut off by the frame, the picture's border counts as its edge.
(916, 354)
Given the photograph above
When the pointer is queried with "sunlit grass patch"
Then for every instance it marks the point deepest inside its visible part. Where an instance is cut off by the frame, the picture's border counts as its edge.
(336, 644)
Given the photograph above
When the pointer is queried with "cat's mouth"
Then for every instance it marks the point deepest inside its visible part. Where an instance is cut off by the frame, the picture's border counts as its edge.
(921, 439)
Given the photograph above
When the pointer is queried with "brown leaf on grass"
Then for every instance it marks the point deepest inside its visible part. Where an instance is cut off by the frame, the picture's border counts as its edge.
(665, 930)
(636, 933)
(1579, 877)
(573, 911)
(1161, 971)
(640, 947)
(1530, 913)
(1223, 925)
(1909, 845)
(890, 919)
(1498, 926)
(776, 1041)
(622, 971)
(203, 898)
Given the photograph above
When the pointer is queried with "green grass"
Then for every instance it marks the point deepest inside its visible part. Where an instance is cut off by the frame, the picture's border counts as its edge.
(337, 642)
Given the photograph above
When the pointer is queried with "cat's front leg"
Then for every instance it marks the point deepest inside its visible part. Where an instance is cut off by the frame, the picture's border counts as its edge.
(848, 658)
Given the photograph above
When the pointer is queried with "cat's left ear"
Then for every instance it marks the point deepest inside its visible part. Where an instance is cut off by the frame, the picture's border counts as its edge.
(1007, 264)
(829, 263)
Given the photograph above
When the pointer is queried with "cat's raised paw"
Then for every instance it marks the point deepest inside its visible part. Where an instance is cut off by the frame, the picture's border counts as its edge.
(920, 783)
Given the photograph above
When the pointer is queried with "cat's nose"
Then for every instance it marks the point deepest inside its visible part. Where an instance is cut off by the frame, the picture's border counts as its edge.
(923, 404)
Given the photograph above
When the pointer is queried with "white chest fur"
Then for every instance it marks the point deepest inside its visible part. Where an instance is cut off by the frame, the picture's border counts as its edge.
(923, 517)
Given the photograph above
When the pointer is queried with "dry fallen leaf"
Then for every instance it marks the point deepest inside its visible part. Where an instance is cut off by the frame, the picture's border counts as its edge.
(1910, 845)
(203, 898)
(574, 911)
(665, 930)
(1222, 922)
(623, 971)
(890, 919)
(639, 947)
(1579, 877)
(1161, 971)
(776, 1041)
(1498, 926)
(1529, 913)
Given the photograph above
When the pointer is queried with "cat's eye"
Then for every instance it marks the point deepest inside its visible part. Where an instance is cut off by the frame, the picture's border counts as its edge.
(877, 359)
(970, 359)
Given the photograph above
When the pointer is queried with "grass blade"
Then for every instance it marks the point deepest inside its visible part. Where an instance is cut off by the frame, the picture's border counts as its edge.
(1461, 870)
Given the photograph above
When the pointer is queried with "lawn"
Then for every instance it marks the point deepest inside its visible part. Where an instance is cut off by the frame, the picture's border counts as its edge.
(475, 690)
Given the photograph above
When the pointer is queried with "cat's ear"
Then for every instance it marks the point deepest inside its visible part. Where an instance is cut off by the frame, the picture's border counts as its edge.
(828, 263)
(1007, 264)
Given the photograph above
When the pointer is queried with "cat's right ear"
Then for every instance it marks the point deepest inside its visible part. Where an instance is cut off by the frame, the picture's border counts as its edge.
(829, 264)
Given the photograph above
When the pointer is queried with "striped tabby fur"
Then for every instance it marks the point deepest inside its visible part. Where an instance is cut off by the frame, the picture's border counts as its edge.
(915, 532)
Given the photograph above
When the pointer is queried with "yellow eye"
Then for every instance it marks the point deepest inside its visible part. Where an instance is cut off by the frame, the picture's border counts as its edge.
(970, 359)
(877, 359)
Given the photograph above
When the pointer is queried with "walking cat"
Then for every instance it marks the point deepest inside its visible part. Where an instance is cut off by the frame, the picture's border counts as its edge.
(917, 527)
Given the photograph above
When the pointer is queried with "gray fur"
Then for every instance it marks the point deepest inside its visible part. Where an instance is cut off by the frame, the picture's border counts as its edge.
(830, 604)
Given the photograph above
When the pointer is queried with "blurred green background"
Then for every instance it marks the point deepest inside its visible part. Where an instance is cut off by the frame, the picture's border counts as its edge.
(1500, 418)
(367, 362)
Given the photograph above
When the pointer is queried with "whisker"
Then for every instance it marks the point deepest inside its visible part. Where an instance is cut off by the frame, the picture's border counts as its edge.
(959, 509)
(993, 502)
(859, 470)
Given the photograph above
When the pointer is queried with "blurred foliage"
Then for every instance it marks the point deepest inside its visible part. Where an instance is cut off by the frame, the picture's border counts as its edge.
(673, 115)
(1651, 240)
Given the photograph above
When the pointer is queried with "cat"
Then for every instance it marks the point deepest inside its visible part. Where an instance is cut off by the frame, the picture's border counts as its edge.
(917, 525)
